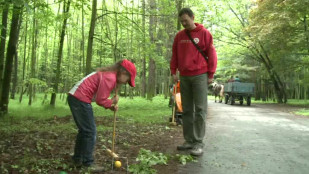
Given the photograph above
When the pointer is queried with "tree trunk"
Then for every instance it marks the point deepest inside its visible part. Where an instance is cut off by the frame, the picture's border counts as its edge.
(33, 57)
(90, 37)
(179, 7)
(3, 41)
(58, 72)
(11, 51)
(131, 44)
(24, 63)
(168, 54)
(69, 64)
(83, 41)
(279, 89)
(263, 57)
(143, 87)
(15, 76)
(306, 32)
(151, 90)
(116, 33)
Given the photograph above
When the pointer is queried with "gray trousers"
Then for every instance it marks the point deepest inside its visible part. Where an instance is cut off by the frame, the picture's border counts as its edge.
(194, 103)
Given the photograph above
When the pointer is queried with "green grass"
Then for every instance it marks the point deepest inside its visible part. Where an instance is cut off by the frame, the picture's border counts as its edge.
(304, 103)
(37, 109)
(304, 112)
(262, 102)
(291, 102)
(294, 102)
(137, 109)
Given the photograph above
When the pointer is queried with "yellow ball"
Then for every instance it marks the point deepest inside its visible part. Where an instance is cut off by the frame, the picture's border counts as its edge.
(117, 164)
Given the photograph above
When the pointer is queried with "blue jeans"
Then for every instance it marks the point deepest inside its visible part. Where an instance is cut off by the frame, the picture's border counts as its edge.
(86, 137)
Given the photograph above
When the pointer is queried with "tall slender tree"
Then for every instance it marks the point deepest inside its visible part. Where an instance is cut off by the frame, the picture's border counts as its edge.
(11, 51)
(143, 85)
(66, 7)
(15, 72)
(90, 37)
(82, 45)
(33, 56)
(3, 40)
(151, 87)
(24, 61)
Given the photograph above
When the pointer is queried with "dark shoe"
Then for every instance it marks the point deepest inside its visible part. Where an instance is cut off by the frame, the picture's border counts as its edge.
(185, 146)
(196, 151)
(75, 164)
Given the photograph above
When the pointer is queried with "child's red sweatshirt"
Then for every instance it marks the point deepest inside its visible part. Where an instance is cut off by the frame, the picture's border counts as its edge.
(187, 59)
(98, 85)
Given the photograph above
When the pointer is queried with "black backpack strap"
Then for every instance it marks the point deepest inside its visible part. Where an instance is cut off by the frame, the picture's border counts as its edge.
(197, 47)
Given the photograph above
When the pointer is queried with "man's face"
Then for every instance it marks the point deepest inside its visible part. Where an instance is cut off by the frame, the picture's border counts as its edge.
(186, 21)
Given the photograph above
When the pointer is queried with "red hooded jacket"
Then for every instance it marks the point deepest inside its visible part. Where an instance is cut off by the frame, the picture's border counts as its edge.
(98, 85)
(187, 59)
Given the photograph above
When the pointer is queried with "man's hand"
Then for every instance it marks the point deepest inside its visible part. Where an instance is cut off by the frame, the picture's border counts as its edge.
(210, 80)
(114, 108)
(175, 77)
(115, 99)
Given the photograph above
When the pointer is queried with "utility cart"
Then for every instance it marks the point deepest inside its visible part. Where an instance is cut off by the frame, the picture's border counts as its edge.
(238, 91)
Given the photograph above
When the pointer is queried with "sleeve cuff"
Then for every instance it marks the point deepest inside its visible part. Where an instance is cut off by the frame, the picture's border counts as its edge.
(210, 75)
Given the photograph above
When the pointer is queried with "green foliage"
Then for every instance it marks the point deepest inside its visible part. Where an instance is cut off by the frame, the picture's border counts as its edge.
(38, 82)
(281, 27)
(304, 112)
(291, 102)
(39, 165)
(226, 21)
(144, 111)
(151, 158)
(146, 160)
(279, 23)
(304, 103)
(184, 159)
(136, 110)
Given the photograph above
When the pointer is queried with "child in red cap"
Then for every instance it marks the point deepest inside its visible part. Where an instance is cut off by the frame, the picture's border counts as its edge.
(99, 85)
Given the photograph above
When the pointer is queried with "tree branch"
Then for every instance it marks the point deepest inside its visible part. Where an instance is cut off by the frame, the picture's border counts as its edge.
(130, 13)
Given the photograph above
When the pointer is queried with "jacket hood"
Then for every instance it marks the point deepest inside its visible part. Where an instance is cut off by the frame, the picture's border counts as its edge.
(198, 27)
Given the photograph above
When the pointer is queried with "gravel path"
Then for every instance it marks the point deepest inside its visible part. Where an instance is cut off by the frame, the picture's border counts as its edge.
(254, 139)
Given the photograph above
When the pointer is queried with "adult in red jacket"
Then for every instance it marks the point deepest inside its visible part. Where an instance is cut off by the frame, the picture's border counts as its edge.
(195, 75)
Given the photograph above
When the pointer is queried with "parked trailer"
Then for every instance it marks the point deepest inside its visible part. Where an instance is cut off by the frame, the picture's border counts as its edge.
(238, 91)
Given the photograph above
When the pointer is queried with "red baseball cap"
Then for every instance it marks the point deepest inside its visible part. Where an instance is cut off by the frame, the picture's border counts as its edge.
(130, 67)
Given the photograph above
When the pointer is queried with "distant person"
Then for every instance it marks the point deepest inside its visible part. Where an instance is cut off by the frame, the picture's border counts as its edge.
(237, 79)
(195, 74)
(231, 79)
(99, 84)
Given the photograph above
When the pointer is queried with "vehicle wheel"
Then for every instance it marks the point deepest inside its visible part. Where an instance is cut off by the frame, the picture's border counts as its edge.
(241, 100)
(249, 101)
(226, 99)
(232, 100)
